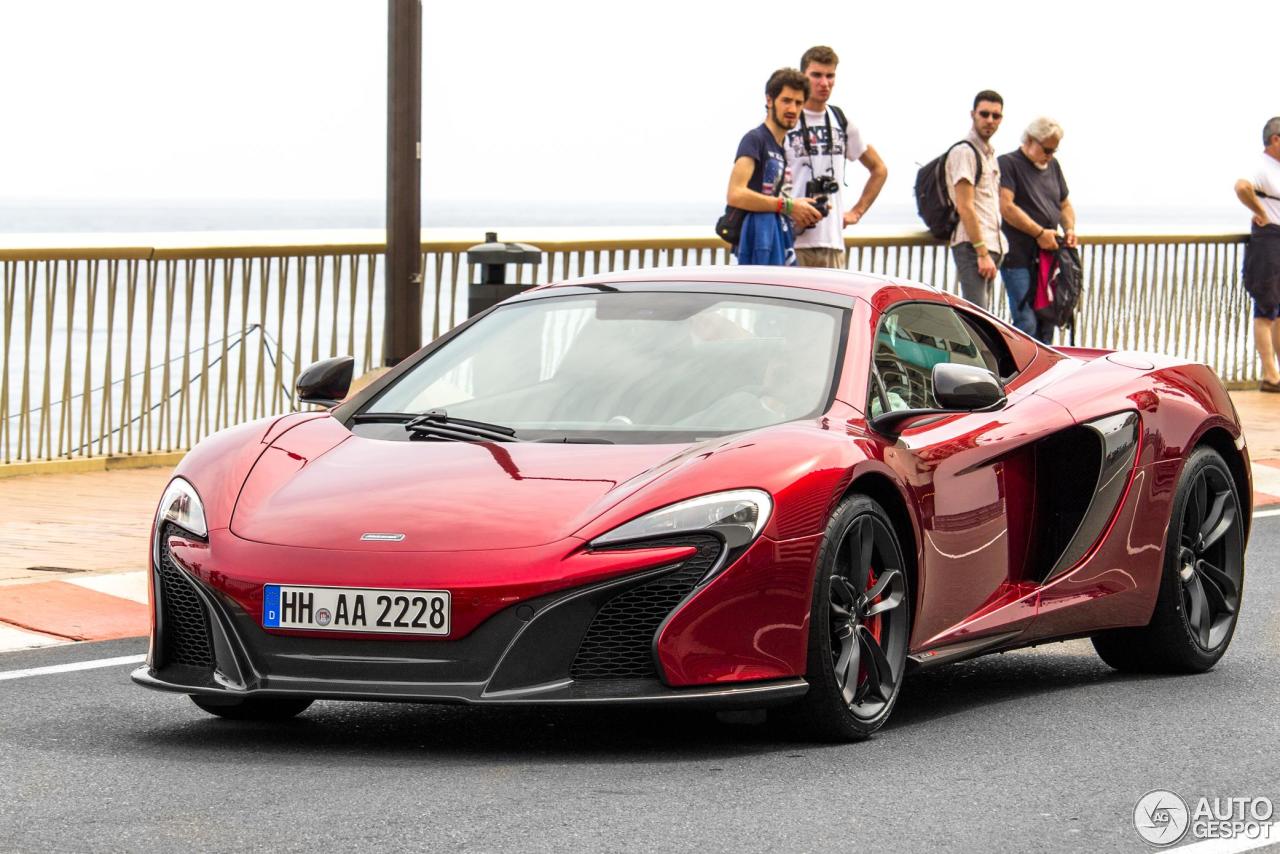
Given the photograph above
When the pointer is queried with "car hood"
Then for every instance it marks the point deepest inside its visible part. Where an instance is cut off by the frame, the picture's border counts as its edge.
(319, 486)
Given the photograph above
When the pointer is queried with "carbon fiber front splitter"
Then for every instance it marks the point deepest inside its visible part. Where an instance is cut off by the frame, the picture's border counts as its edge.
(565, 692)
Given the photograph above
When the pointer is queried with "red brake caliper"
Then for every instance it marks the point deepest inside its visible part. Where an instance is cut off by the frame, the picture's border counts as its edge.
(873, 625)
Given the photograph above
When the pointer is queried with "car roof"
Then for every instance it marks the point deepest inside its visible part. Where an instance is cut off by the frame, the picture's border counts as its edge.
(849, 283)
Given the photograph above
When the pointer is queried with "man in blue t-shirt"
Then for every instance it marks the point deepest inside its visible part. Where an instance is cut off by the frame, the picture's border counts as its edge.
(758, 182)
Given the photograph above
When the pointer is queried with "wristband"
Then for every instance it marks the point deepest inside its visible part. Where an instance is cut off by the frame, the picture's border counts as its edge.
(781, 202)
(788, 207)
(979, 245)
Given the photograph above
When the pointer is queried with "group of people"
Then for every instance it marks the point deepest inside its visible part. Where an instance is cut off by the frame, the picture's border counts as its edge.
(789, 176)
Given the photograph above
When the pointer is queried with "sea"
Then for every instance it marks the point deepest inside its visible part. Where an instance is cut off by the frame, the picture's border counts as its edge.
(187, 215)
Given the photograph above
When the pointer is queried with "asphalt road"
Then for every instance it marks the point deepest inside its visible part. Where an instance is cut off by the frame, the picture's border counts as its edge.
(1045, 750)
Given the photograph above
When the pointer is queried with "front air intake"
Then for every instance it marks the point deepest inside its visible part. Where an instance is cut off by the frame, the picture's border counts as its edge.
(183, 620)
(619, 642)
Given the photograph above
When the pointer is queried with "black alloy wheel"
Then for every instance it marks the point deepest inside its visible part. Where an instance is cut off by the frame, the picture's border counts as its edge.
(860, 625)
(1210, 571)
(1203, 581)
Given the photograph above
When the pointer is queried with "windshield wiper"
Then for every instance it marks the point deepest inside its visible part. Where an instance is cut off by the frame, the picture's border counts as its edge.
(438, 424)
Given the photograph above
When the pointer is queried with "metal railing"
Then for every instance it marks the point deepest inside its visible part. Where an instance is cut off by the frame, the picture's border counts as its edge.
(140, 349)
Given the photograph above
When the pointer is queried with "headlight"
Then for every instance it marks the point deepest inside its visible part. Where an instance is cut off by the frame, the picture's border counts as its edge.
(738, 516)
(181, 506)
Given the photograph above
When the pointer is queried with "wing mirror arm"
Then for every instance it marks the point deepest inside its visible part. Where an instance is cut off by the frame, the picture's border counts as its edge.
(892, 423)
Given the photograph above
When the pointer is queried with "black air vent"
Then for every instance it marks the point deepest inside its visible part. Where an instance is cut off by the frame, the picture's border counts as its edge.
(184, 622)
(619, 642)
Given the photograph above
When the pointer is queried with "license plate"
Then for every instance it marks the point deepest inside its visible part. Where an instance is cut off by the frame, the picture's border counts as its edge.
(356, 609)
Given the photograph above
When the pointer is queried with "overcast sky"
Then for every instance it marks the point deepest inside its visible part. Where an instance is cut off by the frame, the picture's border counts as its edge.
(1162, 103)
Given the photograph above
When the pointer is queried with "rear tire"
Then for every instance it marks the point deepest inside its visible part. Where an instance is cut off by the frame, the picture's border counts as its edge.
(254, 708)
(1202, 580)
(858, 628)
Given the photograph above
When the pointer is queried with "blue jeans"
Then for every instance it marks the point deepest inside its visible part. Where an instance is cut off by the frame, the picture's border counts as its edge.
(1017, 284)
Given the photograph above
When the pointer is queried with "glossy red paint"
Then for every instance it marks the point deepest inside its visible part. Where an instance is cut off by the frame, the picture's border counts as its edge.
(770, 590)
(287, 500)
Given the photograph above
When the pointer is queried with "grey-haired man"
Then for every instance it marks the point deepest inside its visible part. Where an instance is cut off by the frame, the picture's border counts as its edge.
(1033, 205)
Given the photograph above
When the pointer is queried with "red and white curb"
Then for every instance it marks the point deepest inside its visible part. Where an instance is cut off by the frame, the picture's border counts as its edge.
(88, 608)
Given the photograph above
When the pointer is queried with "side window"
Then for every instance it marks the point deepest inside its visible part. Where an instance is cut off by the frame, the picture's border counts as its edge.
(911, 339)
(991, 345)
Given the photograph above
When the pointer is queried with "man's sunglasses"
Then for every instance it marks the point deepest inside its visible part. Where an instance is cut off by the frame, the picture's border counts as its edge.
(987, 114)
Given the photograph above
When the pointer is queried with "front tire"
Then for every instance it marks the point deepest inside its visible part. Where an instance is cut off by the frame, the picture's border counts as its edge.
(1201, 583)
(859, 626)
(253, 708)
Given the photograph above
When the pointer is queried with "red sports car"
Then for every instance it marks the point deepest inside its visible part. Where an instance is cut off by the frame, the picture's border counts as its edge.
(738, 487)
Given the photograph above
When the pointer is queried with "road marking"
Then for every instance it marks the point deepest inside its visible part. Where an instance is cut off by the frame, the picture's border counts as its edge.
(126, 585)
(68, 668)
(1262, 514)
(1270, 835)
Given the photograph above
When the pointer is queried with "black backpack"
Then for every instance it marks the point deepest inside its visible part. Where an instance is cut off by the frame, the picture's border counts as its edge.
(933, 202)
(1065, 285)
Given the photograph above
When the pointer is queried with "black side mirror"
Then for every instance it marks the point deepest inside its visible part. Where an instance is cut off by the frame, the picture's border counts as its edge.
(326, 382)
(966, 388)
(956, 388)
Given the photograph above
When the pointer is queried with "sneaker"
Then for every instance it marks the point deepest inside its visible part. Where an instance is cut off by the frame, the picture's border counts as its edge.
(1271, 387)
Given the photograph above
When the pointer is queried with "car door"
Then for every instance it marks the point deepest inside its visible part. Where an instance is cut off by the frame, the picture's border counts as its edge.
(972, 475)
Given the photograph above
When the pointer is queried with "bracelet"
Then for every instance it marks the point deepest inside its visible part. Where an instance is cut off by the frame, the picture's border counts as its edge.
(1039, 235)
(781, 202)
(979, 245)
(788, 207)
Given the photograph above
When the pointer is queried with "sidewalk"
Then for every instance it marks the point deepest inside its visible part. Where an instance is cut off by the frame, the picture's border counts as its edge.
(73, 547)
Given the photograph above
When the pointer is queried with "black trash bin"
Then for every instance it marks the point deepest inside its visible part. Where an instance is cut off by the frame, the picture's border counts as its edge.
(493, 258)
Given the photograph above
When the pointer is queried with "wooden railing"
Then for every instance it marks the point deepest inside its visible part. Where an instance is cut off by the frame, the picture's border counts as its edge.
(111, 349)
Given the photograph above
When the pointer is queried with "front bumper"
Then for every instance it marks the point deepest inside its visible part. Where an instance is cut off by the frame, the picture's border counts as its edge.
(591, 644)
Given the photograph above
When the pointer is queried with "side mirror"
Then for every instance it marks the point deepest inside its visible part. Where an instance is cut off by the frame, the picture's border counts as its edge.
(956, 388)
(966, 388)
(326, 382)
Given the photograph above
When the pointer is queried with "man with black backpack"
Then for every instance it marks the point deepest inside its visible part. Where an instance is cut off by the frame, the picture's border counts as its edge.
(817, 151)
(973, 183)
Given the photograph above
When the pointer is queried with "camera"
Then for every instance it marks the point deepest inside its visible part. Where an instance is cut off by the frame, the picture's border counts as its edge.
(820, 190)
(824, 186)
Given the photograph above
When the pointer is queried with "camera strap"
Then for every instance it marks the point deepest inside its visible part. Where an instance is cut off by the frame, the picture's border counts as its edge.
(811, 150)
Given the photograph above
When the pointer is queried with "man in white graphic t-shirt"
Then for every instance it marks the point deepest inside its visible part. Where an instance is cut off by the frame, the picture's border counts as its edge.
(817, 151)
(1261, 195)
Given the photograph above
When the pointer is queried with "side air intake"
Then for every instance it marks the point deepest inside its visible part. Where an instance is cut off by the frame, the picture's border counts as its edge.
(1082, 473)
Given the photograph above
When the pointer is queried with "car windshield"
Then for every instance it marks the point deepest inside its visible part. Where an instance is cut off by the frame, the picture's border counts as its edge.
(631, 367)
